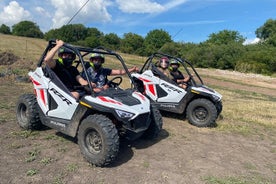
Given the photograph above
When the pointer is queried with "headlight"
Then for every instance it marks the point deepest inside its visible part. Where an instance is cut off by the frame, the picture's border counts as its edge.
(216, 98)
(124, 114)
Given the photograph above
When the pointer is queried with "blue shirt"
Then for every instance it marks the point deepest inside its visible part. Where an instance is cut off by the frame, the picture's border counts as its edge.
(98, 77)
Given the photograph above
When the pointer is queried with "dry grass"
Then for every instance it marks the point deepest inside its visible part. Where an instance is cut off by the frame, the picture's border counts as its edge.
(27, 48)
(247, 113)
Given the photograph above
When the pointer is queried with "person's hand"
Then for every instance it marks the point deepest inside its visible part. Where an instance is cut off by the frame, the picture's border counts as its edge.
(105, 87)
(134, 69)
(93, 85)
(59, 42)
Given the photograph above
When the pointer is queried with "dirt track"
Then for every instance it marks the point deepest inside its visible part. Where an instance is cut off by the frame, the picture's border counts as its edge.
(181, 154)
(239, 81)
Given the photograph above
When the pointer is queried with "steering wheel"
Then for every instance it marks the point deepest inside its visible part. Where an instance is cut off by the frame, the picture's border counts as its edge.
(113, 83)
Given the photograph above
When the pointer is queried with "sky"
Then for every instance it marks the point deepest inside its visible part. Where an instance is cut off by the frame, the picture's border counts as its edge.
(184, 20)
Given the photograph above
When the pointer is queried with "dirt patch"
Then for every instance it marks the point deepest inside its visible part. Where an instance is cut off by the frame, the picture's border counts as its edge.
(7, 58)
(233, 80)
(181, 154)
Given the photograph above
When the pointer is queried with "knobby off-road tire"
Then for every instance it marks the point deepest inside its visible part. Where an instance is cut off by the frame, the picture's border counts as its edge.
(155, 125)
(219, 107)
(27, 112)
(98, 140)
(201, 112)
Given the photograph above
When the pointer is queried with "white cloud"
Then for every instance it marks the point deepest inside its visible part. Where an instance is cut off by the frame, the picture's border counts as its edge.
(251, 41)
(139, 6)
(41, 11)
(174, 3)
(13, 13)
(93, 11)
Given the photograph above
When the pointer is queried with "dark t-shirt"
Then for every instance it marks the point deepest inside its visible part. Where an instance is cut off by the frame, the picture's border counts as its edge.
(67, 75)
(177, 75)
(98, 77)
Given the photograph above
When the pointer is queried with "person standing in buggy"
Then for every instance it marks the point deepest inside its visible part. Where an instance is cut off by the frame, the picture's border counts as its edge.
(98, 74)
(177, 75)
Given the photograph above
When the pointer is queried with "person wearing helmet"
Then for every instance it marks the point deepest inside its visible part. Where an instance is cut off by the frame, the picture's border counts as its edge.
(63, 68)
(178, 77)
(164, 66)
(98, 74)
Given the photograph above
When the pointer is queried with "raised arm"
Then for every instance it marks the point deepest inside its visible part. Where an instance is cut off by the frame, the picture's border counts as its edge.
(50, 55)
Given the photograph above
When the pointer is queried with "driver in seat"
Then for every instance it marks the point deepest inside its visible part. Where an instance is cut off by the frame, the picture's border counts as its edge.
(98, 74)
(63, 68)
(178, 77)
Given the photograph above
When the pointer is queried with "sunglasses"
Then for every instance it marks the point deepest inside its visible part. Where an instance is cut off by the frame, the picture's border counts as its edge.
(164, 61)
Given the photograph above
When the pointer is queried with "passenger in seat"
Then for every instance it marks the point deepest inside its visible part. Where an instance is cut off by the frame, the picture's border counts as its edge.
(163, 66)
(178, 77)
(63, 68)
(98, 74)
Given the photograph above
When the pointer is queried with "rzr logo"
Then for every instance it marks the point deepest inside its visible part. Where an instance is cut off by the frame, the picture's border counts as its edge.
(171, 88)
(61, 96)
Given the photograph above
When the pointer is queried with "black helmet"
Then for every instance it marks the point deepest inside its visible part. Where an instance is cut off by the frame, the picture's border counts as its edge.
(63, 50)
(66, 61)
(97, 55)
(174, 62)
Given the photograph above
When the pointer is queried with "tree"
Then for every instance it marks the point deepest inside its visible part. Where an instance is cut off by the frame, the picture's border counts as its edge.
(94, 38)
(225, 37)
(267, 32)
(5, 29)
(132, 43)
(155, 40)
(258, 58)
(28, 29)
(111, 41)
(72, 33)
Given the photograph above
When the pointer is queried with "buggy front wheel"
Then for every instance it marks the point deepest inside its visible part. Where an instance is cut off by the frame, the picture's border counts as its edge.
(201, 112)
(155, 126)
(98, 140)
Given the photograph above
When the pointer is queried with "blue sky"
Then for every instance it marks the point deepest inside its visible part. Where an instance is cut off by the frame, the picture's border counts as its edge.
(185, 20)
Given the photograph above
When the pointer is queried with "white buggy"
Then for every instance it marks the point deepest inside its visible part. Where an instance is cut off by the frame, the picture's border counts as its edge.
(199, 103)
(97, 120)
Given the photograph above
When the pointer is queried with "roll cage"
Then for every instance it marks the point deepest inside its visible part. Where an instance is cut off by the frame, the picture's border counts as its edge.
(81, 52)
(152, 62)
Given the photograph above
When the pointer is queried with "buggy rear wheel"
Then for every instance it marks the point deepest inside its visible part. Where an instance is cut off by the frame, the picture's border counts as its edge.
(201, 112)
(27, 112)
(98, 140)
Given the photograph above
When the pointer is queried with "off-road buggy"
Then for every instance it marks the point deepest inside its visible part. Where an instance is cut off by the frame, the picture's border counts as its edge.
(199, 103)
(98, 120)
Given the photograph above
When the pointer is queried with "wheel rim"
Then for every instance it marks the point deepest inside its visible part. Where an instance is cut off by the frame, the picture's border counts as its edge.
(93, 142)
(201, 113)
(23, 111)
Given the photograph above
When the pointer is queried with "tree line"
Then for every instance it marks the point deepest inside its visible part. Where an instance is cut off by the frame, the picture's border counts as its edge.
(222, 50)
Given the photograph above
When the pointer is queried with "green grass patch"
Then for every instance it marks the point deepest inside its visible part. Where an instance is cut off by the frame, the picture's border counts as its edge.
(72, 167)
(46, 160)
(32, 155)
(25, 133)
(32, 172)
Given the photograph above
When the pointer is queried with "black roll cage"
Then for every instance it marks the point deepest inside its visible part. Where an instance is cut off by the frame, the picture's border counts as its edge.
(184, 62)
(87, 50)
